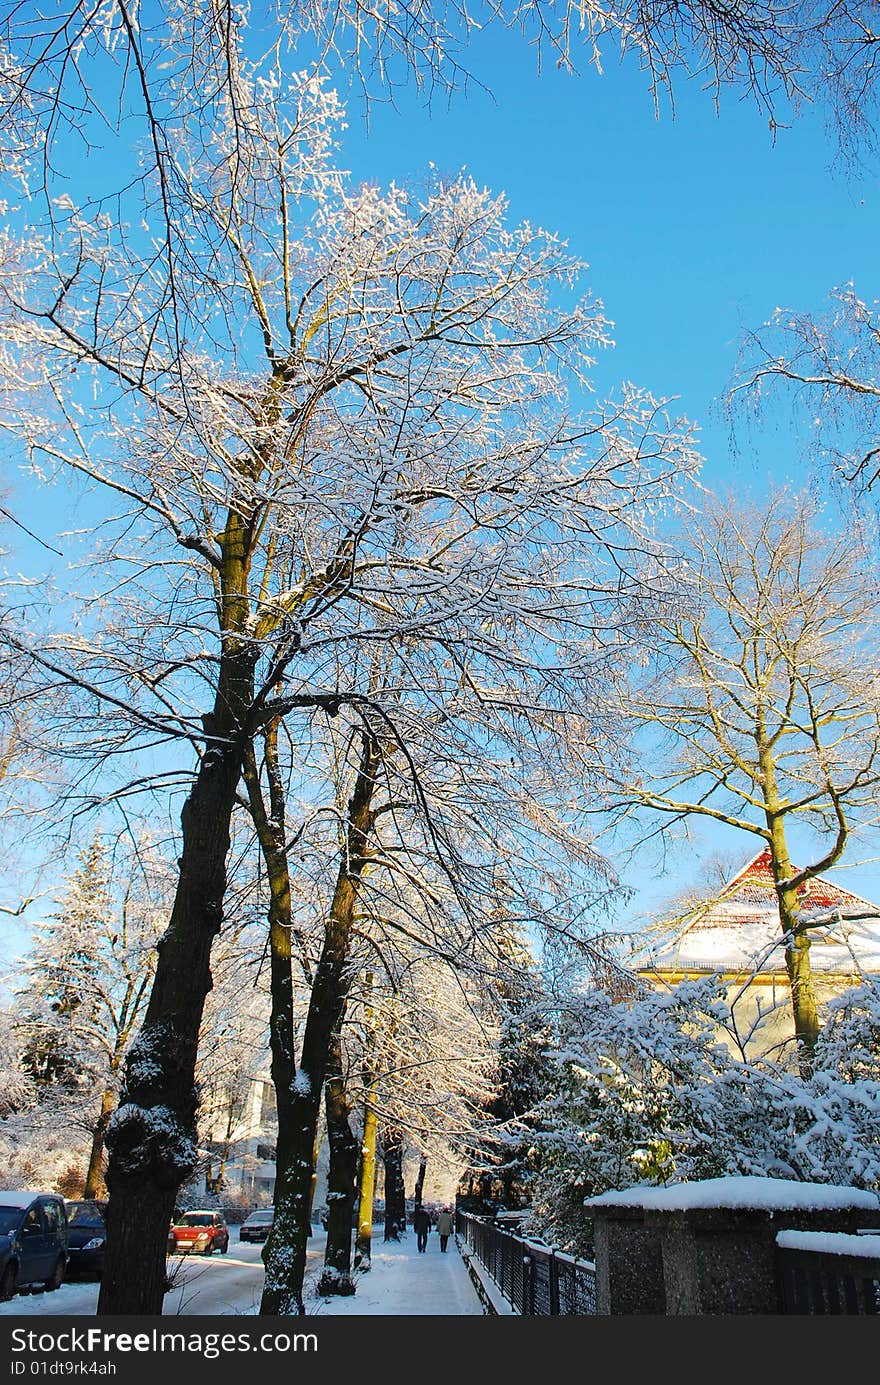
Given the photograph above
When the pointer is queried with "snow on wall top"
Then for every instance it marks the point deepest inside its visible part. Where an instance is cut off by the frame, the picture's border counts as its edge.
(830, 1243)
(745, 1191)
(739, 931)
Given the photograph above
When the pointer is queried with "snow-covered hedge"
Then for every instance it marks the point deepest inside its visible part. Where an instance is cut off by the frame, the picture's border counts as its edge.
(646, 1091)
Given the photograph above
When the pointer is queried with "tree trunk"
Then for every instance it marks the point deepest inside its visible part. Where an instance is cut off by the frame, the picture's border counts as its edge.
(94, 1185)
(420, 1183)
(797, 962)
(287, 1245)
(367, 1170)
(151, 1138)
(341, 1180)
(797, 947)
(395, 1193)
(366, 1190)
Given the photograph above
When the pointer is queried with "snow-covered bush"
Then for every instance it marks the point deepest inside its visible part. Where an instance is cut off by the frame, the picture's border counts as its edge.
(645, 1091)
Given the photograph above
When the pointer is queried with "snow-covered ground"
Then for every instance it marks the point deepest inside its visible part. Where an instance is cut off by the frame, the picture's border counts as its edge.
(403, 1283)
(400, 1283)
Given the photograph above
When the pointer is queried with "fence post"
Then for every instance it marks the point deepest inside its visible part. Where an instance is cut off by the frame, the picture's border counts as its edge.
(554, 1283)
(527, 1306)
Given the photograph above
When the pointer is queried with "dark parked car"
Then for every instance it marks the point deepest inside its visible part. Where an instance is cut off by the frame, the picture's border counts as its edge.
(258, 1225)
(200, 1233)
(33, 1241)
(86, 1234)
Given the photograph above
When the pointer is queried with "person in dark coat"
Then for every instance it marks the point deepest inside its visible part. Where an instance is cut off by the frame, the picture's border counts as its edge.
(421, 1226)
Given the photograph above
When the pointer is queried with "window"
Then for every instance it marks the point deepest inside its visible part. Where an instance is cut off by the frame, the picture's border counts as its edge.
(50, 1212)
(33, 1223)
(85, 1214)
(9, 1219)
(268, 1105)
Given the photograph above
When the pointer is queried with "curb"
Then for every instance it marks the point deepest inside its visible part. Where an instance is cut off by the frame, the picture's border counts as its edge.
(493, 1301)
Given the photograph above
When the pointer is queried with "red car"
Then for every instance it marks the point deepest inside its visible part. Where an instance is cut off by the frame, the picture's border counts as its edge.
(199, 1233)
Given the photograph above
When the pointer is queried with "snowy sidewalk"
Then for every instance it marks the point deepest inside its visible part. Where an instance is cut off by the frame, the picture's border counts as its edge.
(402, 1283)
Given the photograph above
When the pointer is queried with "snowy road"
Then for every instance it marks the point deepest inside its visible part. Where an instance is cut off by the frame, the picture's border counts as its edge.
(400, 1283)
(219, 1284)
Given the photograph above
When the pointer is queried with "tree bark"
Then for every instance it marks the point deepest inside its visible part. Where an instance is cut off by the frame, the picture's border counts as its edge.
(797, 956)
(342, 1178)
(366, 1191)
(797, 946)
(151, 1138)
(286, 1247)
(94, 1185)
(395, 1193)
(367, 1169)
(420, 1183)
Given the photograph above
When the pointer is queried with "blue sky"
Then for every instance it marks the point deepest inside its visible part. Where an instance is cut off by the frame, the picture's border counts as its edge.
(694, 229)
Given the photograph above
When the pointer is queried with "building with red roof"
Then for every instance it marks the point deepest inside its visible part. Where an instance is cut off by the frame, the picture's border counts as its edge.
(737, 934)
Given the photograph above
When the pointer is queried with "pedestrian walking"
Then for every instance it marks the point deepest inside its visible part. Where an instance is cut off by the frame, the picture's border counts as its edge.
(444, 1227)
(421, 1225)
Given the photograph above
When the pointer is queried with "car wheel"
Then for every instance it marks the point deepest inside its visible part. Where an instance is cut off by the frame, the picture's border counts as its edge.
(209, 1249)
(224, 1247)
(8, 1283)
(55, 1279)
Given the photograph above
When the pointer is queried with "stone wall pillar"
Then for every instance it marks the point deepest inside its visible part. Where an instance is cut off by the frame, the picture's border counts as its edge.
(709, 1247)
(629, 1263)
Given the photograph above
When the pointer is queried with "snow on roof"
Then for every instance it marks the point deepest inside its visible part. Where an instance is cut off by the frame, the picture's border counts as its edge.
(756, 878)
(20, 1198)
(830, 1243)
(739, 931)
(746, 1191)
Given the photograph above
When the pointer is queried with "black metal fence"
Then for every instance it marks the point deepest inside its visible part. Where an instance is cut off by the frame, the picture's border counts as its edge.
(817, 1283)
(535, 1280)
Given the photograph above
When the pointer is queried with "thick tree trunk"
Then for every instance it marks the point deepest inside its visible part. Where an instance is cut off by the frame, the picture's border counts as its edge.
(395, 1193)
(271, 832)
(341, 1179)
(286, 1248)
(94, 1185)
(151, 1137)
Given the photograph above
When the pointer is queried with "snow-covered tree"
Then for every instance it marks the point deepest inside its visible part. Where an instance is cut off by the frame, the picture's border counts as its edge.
(84, 988)
(500, 1166)
(646, 1091)
(784, 57)
(418, 1051)
(823, 368)
(233, 1039)
(60, 1000)
(758, 708)
(322, 417)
